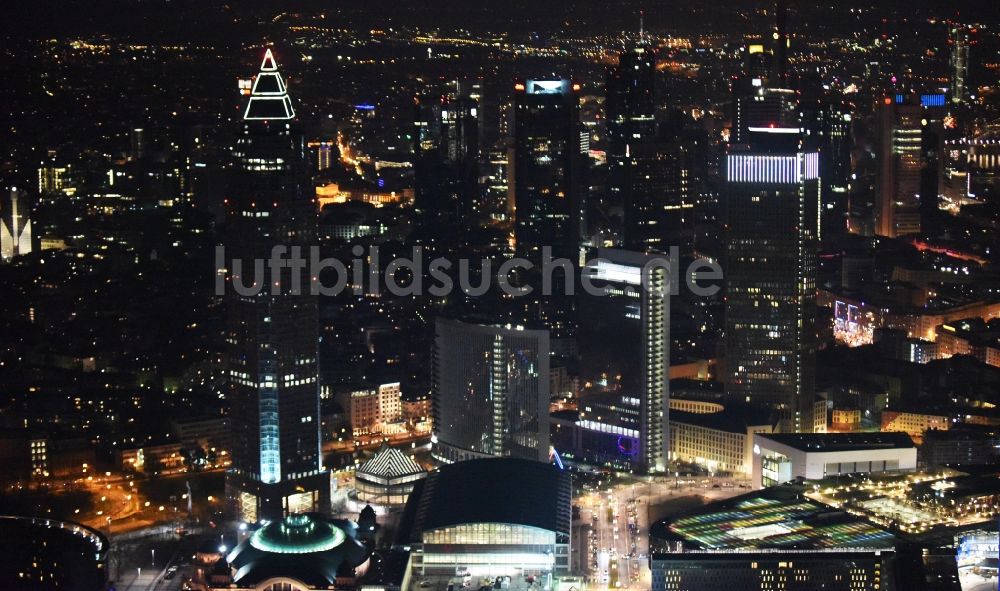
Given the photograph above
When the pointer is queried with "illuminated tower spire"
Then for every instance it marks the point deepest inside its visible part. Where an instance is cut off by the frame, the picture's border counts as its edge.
(269, 98)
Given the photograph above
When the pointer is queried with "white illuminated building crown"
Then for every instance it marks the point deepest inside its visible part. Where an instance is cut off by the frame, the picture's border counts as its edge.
(269, 98)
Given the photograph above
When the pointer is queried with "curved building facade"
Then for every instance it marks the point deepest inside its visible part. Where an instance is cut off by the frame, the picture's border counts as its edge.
(45, 554)
(491, 391)
(490, 517)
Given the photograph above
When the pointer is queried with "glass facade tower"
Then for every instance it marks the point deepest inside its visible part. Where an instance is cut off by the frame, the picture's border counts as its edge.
(491, 391)
(271, 333)
(771, 214)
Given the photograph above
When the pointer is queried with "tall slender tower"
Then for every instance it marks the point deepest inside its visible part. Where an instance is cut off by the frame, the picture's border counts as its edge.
(545, 167)
(271, 332)
(771, 204)
(625, 355)
(446, 153)
(646, 174)
(15, 224)
(779, 77)
(910, 168)
(959, 39)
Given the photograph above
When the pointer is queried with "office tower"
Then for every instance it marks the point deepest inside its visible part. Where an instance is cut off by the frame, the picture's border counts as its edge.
(545, 167)
(490, 392)
(758, 62)
(909, 163)
(658, 207)
(137, 144)
(756, 105)
(630, 104)
(771, 209)
(446, 152)
(960, 40)
(761, 93)
(15, 224)
(625, 357)
(646, 175)
(272, 336)
(828, 128)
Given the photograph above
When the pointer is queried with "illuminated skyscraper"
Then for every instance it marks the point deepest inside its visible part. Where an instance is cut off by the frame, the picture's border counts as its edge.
(910, 166)
(779, 76)
(271, 334)
(15, 224)
(491, 391)
(828, 125)
(630, 102)
(545, 167)
(960, 40)
(755, 105)
(771, 210)
(625, 357)
(761, 93)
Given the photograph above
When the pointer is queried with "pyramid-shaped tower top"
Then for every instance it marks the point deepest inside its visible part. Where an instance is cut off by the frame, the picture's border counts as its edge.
(269, 98)
(268, 65)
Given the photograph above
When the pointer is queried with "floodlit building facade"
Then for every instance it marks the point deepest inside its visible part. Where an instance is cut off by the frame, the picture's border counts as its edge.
(378, 410)
(779, 458)
(490, 517)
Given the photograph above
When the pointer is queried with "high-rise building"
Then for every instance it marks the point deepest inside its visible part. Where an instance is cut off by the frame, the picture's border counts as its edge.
(909, 163)
(630, 103)
(446, 152)
(756, 105)
(490, 392)
(271, 334)
(960, 39)
(658, 206)
(625, 355)
(771, 219)
(646, 174)
(15, 224)
(545, 167)
(762, 96)
(828, 125)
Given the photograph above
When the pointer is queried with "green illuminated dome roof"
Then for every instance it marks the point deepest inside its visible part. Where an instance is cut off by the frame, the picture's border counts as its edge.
(297, 534)
(308, 547)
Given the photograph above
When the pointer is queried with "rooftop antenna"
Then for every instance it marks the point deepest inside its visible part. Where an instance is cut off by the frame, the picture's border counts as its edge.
(642, 28)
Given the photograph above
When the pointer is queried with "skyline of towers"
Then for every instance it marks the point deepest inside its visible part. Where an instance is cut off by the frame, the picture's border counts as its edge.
(771, 205)
(272, 337)
(490, 391)
(647, 173)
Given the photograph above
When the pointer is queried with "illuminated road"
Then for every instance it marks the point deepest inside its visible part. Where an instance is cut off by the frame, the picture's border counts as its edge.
(616, 549)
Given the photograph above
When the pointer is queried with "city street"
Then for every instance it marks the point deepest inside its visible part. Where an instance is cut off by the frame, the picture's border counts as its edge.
(612, 534)
(143, 561)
